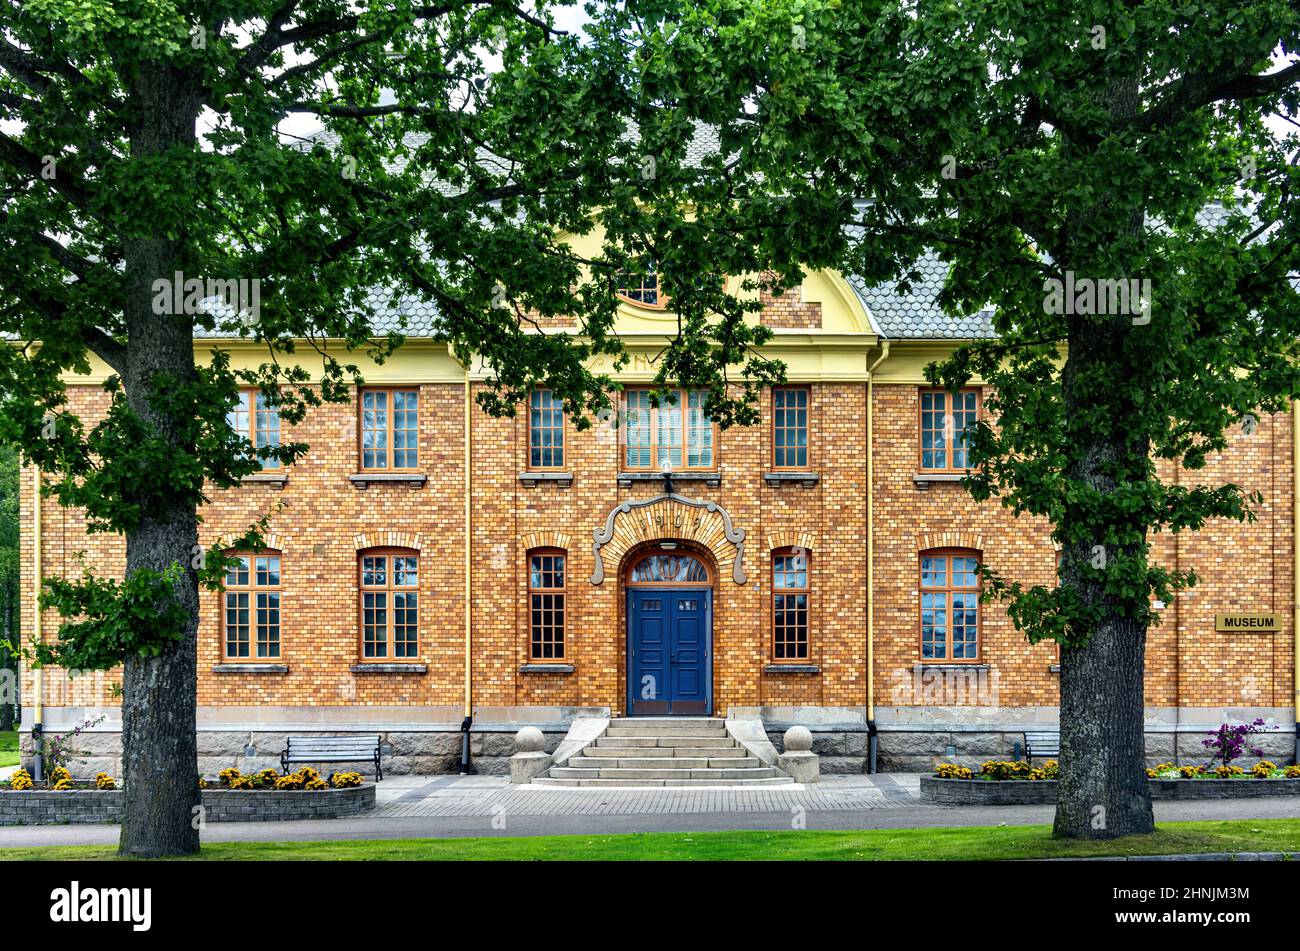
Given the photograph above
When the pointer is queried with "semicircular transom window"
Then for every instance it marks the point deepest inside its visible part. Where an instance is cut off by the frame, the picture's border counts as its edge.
(669, 569)
(641, 287)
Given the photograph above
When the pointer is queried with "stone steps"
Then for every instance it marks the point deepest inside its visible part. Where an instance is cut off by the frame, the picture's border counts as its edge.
(619, 772)
(662, 783)
(670, 762)
(667, 741)
(662, 752)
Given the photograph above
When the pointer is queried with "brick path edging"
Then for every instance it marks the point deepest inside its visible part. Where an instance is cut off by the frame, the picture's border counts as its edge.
(1024, 792)
(81, 806)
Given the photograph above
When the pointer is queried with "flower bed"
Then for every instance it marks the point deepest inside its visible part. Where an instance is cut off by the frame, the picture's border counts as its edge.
(304, 796)
(1000, 783)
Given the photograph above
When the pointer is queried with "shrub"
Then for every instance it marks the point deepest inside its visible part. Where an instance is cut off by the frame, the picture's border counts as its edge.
(203, 783)
(240, 782)
(56, 748)
(1228, 772)
(307, 774)
(1191, 772)
(997, 769)
(58, 774)
(1228, 742)
(292, 781)
(1291, 772)
(228, 777)
(63, 785)
(1051, 769)
(104, 781)
(265, 778)
(349, 779)
(316, 784)
(20, 780)
(1263, 769)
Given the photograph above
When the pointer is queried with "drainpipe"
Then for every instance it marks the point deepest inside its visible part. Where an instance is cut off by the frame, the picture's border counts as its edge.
(38, 716)
(871, 564)
(466, 765)
(1295, 570)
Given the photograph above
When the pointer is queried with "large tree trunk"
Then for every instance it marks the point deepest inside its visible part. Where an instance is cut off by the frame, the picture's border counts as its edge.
(1103, 790)
(160, 756)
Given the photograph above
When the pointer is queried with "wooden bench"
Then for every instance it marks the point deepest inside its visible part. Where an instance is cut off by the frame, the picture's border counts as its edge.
(353, 748)
(1044, 745)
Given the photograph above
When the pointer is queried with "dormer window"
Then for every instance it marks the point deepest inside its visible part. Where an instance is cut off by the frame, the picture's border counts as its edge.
(641, 287)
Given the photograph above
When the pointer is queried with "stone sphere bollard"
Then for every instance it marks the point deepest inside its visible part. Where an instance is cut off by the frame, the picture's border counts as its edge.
(529, 740)
(798, 739)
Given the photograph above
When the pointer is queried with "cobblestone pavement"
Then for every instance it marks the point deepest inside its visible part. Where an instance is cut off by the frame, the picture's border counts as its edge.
(455, 806)
(491, 795)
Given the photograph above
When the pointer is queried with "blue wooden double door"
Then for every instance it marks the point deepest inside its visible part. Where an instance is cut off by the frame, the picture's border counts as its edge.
(670, 663)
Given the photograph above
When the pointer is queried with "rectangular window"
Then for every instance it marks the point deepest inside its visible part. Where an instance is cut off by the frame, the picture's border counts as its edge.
(790, 427)
(950, 592)
(789, 606)
(390, 606)
(946, 422)
(653, 435)
(390, 430)
(252, 608)
(546, 605)
(545, 431)
(258, 421)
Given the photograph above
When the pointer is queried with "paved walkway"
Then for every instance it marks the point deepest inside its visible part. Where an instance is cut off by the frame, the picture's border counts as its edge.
(456, 806)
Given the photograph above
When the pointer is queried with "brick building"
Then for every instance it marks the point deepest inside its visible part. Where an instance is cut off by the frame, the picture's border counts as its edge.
(429, 562)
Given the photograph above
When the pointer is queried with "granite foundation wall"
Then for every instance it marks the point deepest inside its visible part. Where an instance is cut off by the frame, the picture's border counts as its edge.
(920, 752)
(404, 753)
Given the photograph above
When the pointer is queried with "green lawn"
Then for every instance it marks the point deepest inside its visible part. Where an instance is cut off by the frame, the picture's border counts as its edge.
(9, 748)
(988, 842)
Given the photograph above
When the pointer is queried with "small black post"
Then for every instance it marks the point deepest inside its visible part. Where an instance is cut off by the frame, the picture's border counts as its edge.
(466, 765)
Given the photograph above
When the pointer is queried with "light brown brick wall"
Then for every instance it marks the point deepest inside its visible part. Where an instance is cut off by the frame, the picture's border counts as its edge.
(1242, 567)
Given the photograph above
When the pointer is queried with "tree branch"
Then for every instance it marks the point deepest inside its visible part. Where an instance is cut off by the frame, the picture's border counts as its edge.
(67, 184)
(1201, 89)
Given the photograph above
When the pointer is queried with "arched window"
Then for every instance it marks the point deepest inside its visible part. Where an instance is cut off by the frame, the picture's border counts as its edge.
(390, 604)
(641, 286)
(547, 606)
(950, 594)
(251, 607)
(679, 568)
(790, 592)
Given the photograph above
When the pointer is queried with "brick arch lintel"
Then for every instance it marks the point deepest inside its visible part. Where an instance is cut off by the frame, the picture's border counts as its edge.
(792, 539)
(669, 517)
(273, 541)
(534, 540)
(931, 540)
(387, 540)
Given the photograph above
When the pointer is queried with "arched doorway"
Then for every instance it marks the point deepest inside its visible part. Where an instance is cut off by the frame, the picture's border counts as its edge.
(669, 632)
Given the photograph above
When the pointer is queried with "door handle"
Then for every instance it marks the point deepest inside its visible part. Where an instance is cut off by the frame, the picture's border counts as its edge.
(672, 657)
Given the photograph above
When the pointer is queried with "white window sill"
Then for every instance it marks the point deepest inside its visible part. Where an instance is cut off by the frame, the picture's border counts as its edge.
(805, 479)
(533, 479)
(229, 668)
(711, 479)
(389, 668)
(363, 480)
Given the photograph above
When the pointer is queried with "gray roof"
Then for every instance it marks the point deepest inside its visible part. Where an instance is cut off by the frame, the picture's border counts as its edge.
(914, 315)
